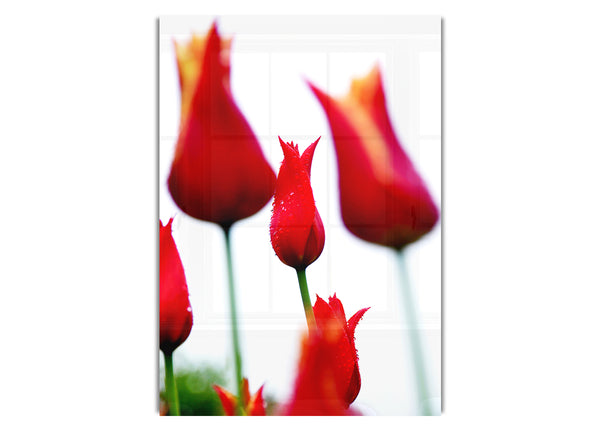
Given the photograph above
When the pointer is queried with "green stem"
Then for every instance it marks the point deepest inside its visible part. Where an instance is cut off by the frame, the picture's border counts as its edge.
(171, 387)
(310, 317)
(410, 310)
(234, 322)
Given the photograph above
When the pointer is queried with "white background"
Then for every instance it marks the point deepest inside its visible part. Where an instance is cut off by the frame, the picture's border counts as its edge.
(271, 57)
(78, 101)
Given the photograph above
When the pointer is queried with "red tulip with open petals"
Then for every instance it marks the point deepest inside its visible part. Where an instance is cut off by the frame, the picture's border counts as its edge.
(175, 311)
(219, 172)
(328, 378)
(254, 405)
(297, 232)
(330, 317)
(383, 199)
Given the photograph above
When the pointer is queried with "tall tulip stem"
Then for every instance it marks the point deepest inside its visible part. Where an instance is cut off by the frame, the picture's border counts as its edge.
(410, 310)
(310, 317)
(234, 321)
(171, 387)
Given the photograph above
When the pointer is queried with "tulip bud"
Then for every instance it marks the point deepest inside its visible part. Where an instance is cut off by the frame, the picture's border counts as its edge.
(219, 173)
(382, 197)
(174, 308)
(297, 232)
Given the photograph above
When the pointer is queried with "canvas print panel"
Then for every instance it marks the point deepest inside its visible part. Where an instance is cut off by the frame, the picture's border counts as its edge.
(300, 215)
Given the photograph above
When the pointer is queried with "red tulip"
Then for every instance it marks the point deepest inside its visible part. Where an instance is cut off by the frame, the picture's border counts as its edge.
(219, 173)
(331, 318)
(174, 308)
(254, 405)
(297, 232)
(383, 199)
(328, 378)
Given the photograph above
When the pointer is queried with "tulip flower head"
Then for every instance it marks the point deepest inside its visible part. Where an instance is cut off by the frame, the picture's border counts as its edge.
(328, 378)
(219, 172)
(383, 199)
(174, 308)
(254, 405)
(297, 232)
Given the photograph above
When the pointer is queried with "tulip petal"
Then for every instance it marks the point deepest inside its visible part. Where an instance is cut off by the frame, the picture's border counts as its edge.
(256, 405)
(353, 321)
(308, 154)
(228, 400)
(338, 309)
(325, 318)
(315, 241)
(353, 386)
